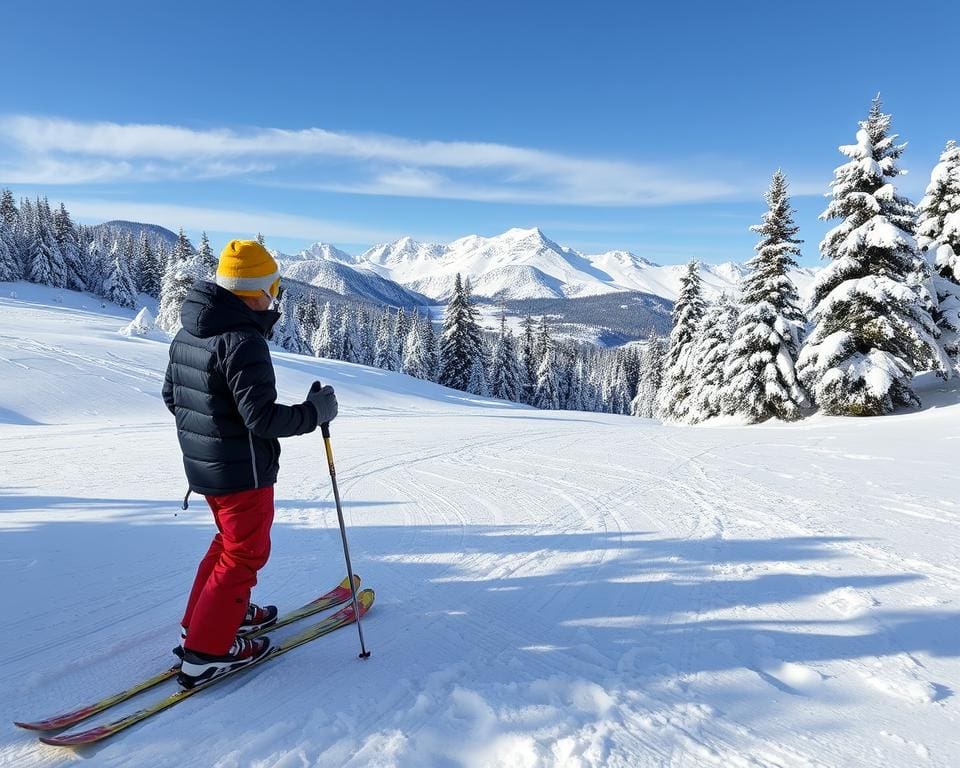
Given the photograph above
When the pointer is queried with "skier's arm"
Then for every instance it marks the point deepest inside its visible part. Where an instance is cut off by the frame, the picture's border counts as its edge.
(168, 390)
(249, 374)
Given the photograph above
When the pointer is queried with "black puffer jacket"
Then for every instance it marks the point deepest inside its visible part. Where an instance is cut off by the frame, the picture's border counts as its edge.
(221, 387)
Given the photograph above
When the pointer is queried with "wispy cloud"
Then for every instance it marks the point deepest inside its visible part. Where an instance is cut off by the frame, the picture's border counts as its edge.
(356, 163)
(238, 223)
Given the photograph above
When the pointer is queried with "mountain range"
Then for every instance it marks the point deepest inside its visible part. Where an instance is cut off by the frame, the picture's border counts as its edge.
(516, 265)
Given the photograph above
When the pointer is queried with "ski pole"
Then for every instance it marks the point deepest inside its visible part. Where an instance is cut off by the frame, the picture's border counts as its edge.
(325, 431)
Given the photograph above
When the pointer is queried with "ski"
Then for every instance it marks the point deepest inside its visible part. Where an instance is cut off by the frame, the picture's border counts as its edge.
(336, 596)
(342, 618)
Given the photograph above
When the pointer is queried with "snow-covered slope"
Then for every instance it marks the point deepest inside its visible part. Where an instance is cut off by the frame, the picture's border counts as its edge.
(526, 264)
(553, 589)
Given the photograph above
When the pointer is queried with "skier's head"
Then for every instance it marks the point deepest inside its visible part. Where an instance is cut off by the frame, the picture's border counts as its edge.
(248, 270)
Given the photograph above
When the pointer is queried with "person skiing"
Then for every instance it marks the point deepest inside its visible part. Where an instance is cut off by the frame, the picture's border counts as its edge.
(220, 386)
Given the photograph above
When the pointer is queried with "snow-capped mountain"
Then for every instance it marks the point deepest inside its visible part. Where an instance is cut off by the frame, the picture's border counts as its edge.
(518, 264)
(324, 266)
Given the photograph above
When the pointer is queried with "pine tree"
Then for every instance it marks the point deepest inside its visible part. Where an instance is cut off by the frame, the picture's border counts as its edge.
(149, 267)
(460, 344)
(68, 242)
(46, 264)
(206, 258)
(761, 369)
(430, 343)
(400, 330)
(416, 355)
(619, 398)
(528, 359)
(384, 349)
(118, 287)
(285, 333)
(261, 239)
(365, 351)
(323, 341)
(871, 332)
(938, 234)
(711, 356)
(346, 337)
(14, 261)
(9, 215)
(504, 378)
(181, 272)
(10, 268)
(546, 395)
(307, 321)
(477, 383)
(676, 391)
(652, 358)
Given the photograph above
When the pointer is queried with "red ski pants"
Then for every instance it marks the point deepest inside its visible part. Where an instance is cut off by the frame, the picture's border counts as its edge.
(227, 573)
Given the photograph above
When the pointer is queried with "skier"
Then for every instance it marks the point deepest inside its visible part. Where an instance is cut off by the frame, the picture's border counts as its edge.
(220, 385)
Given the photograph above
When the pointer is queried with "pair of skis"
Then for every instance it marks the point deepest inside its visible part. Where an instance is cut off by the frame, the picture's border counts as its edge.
(340, 594)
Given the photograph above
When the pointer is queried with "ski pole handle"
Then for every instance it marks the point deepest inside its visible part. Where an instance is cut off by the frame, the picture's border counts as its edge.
(325, 429)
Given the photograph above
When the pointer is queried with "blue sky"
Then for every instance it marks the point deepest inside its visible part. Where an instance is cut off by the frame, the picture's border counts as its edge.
(647, 126)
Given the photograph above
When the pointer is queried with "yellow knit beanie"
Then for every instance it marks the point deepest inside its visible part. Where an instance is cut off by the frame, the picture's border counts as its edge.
(246, 268)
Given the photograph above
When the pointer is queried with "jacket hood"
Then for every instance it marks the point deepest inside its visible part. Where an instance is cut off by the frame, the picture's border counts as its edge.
(209, 310)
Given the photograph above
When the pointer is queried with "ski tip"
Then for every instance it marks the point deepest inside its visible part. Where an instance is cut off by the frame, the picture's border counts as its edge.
(52, 724)
(366, 598)
(77, 739)
(345, 584)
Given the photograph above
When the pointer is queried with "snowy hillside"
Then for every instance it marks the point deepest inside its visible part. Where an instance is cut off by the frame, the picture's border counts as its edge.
(526, 264)
(323, 272)
(553, 588)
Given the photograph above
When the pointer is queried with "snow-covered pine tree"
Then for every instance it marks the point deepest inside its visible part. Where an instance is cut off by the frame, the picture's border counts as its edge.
(46, 264)
(546, 395)
(261, 239)
(285, 333)
(148, 267)
(676, 391)
(68, 242)
(9, 263)
(322, 343)
(10, 220)
(504, 378)
(206, 258)
(346, 336)
(544, 343)
(711, 357)
(416, 356)
(460, 345)
(118, 286)
(384, 348)
(938, 234)
(401, 328)
(871, 332)
(477, 383)
(8, 210)
(762, 357)
(181, 272)
(430, 343)
(528, 359)
(652, 358)
(364, 336)
(307, 321)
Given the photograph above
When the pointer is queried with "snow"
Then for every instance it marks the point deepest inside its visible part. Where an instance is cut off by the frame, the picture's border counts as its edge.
(554, 588)
(517, 264)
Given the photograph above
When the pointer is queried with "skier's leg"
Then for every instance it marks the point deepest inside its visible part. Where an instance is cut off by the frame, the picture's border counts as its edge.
(244, 520)
(206, 566)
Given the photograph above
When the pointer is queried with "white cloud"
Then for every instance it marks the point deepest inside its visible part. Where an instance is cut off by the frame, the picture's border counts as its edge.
(364, 163)
(238, 223)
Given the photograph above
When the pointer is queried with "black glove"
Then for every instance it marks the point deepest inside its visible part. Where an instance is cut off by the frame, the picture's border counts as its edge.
(324, 400)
